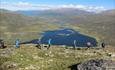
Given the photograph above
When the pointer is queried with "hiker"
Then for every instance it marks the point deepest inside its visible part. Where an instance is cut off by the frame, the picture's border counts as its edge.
(103, 45)
(49, 44)
(38, 46)
(17, 43)
(88, 44)
(74, 44)
(2, 44)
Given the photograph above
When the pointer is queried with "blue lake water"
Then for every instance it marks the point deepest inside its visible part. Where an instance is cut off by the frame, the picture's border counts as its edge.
(65, 37)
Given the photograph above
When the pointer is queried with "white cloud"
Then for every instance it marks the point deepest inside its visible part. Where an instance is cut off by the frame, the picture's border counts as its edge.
(31, 6)
(23, 4)
(83, 7)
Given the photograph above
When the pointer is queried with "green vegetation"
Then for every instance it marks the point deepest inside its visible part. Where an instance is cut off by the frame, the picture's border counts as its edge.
(56, 58)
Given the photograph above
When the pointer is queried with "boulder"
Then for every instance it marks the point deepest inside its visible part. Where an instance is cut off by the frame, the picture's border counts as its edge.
(7, 52)
(98, 64)
(8, 65)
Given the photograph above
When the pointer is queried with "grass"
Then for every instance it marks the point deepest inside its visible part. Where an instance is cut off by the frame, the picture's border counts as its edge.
(56, 58)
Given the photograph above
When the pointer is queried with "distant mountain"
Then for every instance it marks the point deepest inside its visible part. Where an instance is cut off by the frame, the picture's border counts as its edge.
(13, 19)
(55, 12)
(108, 12)
(4, 10)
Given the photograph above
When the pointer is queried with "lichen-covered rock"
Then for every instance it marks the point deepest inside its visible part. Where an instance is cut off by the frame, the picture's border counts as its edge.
(7, 52)
(8, 65)
(98, 64)
(92, 65)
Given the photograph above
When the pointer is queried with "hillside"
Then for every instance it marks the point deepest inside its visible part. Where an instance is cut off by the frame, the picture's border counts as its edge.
(101, 26)
(14, 25)
(109, 12)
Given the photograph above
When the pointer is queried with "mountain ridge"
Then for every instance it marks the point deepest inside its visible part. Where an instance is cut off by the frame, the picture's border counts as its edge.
(56, 12)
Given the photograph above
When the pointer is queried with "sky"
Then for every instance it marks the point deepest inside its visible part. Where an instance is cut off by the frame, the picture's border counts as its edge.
(89, 5)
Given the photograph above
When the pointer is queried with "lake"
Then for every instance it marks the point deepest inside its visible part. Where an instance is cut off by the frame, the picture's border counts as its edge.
(67, 37)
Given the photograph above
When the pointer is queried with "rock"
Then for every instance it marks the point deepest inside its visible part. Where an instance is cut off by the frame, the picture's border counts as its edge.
(92, 65)
(50, 60)
(7, 52)
(113, 55)
(30, 67)
(8, 65)
(35, 57)
(98, 64)
(108, 54)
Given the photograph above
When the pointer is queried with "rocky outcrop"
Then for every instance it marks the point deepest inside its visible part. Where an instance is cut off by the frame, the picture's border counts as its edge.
(7, 52)
(8, 65)
(98, 64)
(5, 62)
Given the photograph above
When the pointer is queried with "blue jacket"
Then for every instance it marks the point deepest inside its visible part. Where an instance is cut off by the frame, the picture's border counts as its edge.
(17, 43)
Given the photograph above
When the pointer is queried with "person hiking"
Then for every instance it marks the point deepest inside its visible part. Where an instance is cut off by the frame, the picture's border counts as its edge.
(38, 44)
(2, 44)
(49, 44)
(74, 44)
(88, 44)
(17, 43)
(103, 45)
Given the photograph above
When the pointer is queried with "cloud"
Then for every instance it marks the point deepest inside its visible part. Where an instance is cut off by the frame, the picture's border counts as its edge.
(25, 4)
(30, 6)
(22, 6)
(83, 7)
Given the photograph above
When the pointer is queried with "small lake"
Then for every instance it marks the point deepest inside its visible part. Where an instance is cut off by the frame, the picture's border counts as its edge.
(67, 37)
